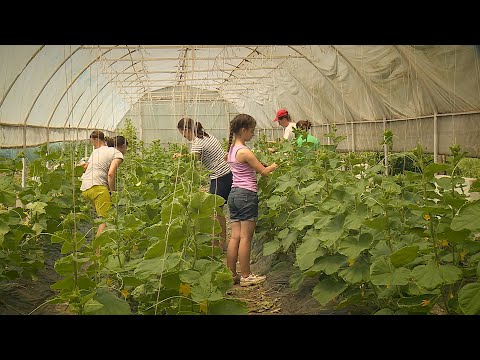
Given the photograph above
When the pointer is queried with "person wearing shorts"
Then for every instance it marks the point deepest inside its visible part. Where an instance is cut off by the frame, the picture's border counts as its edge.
(243, 199)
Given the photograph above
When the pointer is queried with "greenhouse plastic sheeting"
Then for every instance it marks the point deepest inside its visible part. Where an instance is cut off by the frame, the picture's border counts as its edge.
(62, 92)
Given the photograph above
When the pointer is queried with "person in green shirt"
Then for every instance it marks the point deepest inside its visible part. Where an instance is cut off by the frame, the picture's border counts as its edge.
(304, 126)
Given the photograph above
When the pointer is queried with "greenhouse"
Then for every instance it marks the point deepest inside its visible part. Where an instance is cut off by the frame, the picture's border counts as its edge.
(227, 179)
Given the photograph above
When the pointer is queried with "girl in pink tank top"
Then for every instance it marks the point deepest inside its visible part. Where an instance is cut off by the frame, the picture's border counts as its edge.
(243, 199)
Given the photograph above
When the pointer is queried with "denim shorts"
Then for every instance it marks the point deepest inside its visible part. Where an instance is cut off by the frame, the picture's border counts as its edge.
(243, 205)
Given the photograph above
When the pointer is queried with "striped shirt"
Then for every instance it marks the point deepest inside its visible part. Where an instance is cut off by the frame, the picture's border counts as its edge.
(212, 155)
(244, 176)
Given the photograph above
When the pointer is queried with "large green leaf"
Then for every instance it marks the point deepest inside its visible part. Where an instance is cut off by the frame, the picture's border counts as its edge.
(4, 228)
(270, 247)
(64, 265)
(327, 290)
(434, 168)
(332, 232)
(313, 188)
(469, 298)
(352, 246)
(156, 266)
(324, 221)
(454, 237)
(155, 250)
(7, 192)
(378, 223)
(112, 305)
(171, 211)
(275, 200)
(176, 235)
(303, 220)
(208, 225)
(291, 237)
(354, 220)
(189, 276)
(359, 272)
(331, 263)
(382, 272)
(285, 185)
(404, 256)
(468, 217)
(227, 307)
(351, 300)
(131, 222)
(418, 304)
(205, 291)
(431, 276)
(92, 306)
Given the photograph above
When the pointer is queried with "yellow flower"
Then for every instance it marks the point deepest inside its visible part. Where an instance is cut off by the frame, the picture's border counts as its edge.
(109, 281)
(426, 217)
(125, 293)
(351, 262)
(185, 289)
(425, 302)
(462, 255)
(203, 306)
(425, 238)
(444, 243)
(388, 286)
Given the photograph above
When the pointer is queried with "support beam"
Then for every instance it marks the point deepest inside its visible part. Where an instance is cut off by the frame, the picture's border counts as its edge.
(385, 147)
(435, 138)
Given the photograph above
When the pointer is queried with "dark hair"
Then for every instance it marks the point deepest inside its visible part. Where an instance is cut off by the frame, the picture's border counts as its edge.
(195, 126)
(288, 117)
(304, 125)
(241, 121)
(97, 134)
(118, 140)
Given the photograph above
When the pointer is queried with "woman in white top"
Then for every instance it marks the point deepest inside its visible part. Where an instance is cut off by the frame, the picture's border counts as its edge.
(98, 180)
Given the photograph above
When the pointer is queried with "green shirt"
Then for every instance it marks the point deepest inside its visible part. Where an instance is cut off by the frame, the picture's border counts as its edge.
(310, 138)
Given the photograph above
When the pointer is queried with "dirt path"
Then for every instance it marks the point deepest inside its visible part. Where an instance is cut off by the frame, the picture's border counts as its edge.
(25, 296)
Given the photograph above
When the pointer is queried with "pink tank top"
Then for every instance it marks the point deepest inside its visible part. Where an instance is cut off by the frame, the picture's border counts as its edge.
(244, 176)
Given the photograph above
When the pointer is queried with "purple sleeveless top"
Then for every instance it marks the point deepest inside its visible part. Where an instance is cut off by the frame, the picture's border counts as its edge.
(244, 176)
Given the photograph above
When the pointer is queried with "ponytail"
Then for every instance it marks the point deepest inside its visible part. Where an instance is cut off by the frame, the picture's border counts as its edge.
(194, 126)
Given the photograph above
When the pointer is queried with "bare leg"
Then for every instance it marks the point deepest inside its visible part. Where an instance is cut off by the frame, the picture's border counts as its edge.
(223, 223)
(232, 250)
(247, 229)
(101, 227)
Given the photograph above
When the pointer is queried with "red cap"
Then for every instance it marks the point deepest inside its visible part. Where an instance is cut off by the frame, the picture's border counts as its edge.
(281, 113)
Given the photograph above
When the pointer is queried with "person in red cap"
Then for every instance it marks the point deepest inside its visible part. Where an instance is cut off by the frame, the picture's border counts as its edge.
(284, 119)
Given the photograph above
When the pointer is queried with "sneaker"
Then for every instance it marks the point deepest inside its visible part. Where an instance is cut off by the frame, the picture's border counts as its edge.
(236, 279)
(252, 279)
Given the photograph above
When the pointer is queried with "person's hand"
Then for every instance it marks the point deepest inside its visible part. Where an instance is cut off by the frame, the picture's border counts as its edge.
(274, 165)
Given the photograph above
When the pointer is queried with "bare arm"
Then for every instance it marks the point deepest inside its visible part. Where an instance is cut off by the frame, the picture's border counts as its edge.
(246, 156)
(112, 172)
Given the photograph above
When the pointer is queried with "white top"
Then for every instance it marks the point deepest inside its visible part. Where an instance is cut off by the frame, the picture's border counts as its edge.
(288, 132)
(212, 155)
(98, 165)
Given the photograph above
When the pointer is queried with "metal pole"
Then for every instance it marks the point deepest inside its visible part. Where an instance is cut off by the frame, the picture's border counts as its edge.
(435, 138)
(329, 138)
(24, 159)
(385, 147)
(353, 138)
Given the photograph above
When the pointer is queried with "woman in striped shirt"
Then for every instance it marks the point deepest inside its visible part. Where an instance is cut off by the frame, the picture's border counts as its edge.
(208, 150)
